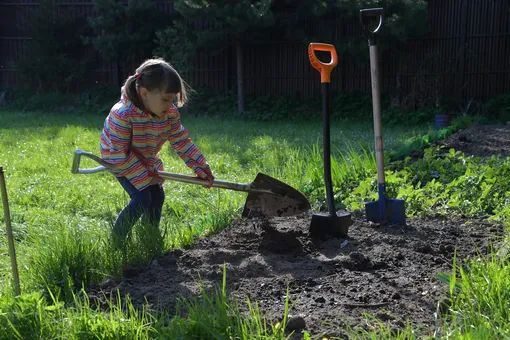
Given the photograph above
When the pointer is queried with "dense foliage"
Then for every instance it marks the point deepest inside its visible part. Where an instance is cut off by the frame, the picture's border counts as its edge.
(56, 60)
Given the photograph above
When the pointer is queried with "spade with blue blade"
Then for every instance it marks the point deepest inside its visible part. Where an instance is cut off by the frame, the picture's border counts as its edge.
(384, 209)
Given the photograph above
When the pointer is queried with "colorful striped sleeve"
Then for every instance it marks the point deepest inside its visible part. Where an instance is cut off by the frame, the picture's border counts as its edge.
(116, 139)
(186, 149)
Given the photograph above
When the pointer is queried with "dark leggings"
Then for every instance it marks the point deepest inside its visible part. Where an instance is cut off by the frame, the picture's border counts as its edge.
(147, 204)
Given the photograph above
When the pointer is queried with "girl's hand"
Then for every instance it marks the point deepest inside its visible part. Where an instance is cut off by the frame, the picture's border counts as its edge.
(156, 180)
(209, 178)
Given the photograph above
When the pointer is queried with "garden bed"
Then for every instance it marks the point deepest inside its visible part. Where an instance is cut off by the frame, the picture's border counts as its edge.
(388, 271)
(481, 141)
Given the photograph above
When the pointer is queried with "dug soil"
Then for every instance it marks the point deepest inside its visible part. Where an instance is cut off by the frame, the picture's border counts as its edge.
(481, 141)
(391, 272)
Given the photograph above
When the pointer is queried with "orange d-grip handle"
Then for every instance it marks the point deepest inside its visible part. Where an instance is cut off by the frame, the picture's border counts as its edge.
(324, 69)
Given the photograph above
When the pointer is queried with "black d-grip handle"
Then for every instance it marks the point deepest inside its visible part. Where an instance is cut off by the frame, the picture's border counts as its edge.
(371, 12)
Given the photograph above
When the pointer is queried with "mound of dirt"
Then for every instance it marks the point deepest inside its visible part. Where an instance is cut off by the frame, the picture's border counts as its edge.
(481, 141)
(388, 271)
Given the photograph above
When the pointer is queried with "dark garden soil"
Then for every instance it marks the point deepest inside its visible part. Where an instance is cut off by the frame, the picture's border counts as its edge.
(390, 272)
(481, 141)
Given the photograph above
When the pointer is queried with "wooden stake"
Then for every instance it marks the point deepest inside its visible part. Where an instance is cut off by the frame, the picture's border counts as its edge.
(10, 238)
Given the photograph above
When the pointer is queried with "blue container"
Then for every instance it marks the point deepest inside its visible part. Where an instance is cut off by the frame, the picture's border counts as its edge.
(443, 120)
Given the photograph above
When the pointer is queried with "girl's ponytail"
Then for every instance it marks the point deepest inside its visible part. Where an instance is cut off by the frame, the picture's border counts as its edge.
(131, 92)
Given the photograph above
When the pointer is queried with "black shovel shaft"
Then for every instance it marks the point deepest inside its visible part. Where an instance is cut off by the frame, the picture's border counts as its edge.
(326, 107)
(325, 71)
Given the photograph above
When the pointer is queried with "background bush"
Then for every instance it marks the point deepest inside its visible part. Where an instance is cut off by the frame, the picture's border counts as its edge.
(57, 59)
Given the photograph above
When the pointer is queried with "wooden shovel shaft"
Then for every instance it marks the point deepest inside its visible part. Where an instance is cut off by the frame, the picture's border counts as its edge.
(10, 238)
(376, 98)
(166, 175)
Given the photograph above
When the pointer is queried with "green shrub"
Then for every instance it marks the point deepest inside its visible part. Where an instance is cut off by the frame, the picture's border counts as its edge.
(125, 34)
(97, 99)
(177, 44)
(57, 60)
(498, 108)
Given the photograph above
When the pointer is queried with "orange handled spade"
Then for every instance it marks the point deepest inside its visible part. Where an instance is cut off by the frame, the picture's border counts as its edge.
(331, 223)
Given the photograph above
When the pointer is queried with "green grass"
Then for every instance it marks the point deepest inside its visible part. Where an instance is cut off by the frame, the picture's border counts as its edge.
(62, 221)
(210, 317)
(49, 205)
(480, 300)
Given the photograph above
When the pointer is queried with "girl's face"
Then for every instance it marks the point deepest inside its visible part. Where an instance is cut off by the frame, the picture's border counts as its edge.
(156, 101)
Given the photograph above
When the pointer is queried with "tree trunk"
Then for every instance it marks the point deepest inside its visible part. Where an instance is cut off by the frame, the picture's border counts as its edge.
(240, 77)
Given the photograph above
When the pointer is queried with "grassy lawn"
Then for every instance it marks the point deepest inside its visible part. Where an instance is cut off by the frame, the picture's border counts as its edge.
(62, 221)
(49, 204)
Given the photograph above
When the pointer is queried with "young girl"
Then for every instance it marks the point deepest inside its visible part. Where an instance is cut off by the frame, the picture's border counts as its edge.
(135, 131)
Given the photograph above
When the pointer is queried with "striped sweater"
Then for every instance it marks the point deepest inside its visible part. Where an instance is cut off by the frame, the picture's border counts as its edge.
(128, 125)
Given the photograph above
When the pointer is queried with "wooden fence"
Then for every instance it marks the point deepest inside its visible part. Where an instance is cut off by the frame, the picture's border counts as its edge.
(466, 54)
